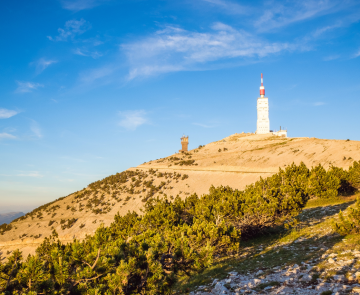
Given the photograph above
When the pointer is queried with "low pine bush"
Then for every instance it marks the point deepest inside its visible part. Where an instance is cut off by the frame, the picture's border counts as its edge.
(145, 254)
(351, 223)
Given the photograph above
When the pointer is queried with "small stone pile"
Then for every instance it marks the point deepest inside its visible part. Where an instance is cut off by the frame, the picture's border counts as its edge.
(303, 279)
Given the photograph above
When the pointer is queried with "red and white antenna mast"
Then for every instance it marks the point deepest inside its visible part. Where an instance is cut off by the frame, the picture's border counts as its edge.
(262, 88)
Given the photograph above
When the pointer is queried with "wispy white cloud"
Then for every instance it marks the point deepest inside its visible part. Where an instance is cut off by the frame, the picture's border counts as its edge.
(132, 119)
(86, 52)
(279, 14)
(319, 103)
(42, 64)
(5, 114)
(24, 87)
(35, 128)
(30, 174)
(72, 29)
(321, 31)
(203, 125)
(5, 135)
(90, 76)
(149, 70)
(331, 57)
(357, 54)
(229, 6)
(174, 49)
(77, 5)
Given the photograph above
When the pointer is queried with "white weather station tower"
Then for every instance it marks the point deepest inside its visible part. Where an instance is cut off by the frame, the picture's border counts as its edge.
(263, 122)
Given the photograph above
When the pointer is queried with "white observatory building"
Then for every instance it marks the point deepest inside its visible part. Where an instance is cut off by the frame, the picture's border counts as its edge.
(263, 122)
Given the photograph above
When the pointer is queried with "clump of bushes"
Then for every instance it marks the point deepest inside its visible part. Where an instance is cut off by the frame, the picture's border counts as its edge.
(4, 228)
(67, 223)
(145, 254)
(185, 162)
(185, 176)
(351, 223)
(51, 222)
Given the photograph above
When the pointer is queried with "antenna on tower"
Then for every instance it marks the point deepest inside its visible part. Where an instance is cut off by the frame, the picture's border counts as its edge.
(262, 88)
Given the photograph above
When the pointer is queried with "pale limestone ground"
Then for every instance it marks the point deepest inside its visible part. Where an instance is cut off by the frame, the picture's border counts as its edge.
(328, 261)
(246, 158)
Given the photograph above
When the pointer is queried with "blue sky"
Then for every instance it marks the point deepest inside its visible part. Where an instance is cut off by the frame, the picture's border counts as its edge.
(89, 88)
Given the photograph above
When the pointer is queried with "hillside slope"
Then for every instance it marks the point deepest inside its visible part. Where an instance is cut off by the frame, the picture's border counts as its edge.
(237, 160)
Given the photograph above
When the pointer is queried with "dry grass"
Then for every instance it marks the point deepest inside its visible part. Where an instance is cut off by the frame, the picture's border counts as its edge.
(246, 158)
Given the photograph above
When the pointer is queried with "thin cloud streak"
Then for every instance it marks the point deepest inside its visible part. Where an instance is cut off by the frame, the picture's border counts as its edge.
(357, 54)
(72, 29)
(24, 87)
(229, 6)
(325, 29)
(90, 76)
(280, 14)
(132, 119)
(174, 49)
(85, 52)
(5, 135)
(42, 64)
(5, 114)
(77, 5)
(203, 125)
(331, 57)
(35, 128)
(31, 174)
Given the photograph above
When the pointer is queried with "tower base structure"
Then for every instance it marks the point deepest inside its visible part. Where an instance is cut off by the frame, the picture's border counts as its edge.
(281, 133)
(263, 122)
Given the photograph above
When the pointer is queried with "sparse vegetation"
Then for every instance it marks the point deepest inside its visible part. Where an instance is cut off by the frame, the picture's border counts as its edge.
(176, 238)
(168, 240)
(5, 227)
(67, 223)
(51, 222)
(351, 223)
(185, 176)
(185, 163)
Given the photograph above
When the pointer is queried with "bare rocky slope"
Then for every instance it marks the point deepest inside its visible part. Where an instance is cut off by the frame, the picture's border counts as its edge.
(237, 161)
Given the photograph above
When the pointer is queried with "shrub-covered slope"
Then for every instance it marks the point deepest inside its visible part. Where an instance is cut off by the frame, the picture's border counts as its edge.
(235, 161)
(146, 254)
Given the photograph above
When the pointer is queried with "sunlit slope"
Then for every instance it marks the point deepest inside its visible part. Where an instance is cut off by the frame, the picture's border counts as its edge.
(263, 153)
(237, 161)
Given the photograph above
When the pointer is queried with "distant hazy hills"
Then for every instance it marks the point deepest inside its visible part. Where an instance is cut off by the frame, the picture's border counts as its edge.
(8, 217)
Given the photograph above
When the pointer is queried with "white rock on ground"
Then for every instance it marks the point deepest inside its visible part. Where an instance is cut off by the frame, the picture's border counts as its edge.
(288, 280)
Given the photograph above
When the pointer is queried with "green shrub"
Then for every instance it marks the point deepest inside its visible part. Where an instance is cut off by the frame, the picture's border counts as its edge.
(68, 223)
(185, 176)
(186, 162)
(351, 223)
(145, 254)
(5, 227)
(354, 175)
(322, 183)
